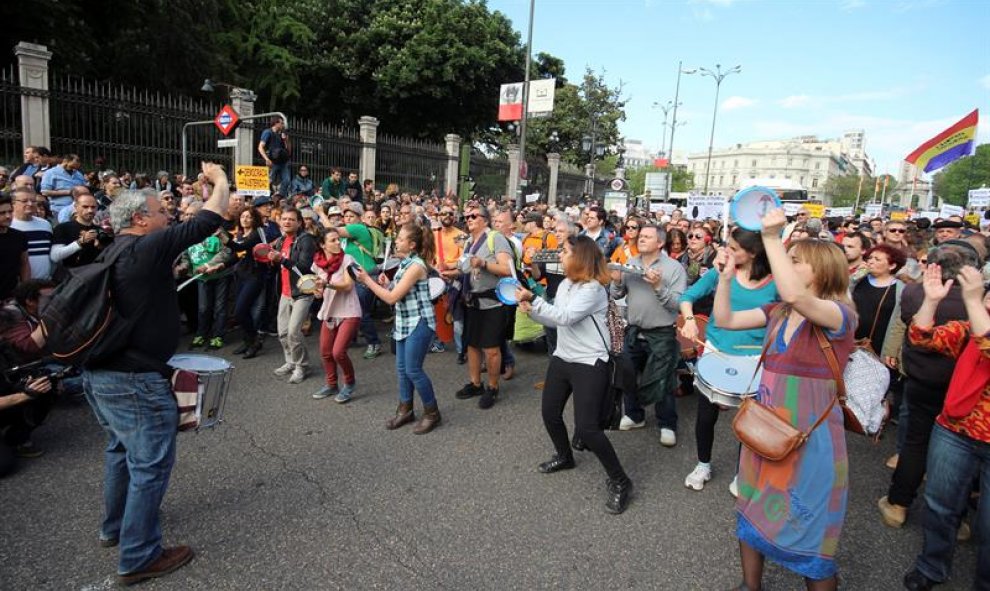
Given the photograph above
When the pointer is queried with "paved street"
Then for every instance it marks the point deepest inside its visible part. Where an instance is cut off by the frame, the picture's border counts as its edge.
(292, 493)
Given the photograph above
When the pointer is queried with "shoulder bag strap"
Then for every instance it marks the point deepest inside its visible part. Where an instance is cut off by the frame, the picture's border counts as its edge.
(876, 316)
(774, 322)
(833, 363)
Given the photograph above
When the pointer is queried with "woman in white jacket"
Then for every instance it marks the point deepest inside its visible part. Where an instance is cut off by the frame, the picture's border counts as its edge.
(578, 364)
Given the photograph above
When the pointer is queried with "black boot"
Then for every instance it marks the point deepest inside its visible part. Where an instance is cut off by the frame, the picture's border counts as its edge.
(618, 495)
(244, 346)
(556, 464)
(253, 348)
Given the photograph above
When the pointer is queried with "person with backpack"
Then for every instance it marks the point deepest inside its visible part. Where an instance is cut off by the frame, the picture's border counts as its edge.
(129, 386)
(275, 149)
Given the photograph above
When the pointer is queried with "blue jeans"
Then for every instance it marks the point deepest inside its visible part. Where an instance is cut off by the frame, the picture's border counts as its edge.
(279, 177)
(409, 355)
(250, 305)
(213, 307)
(954, 461)
(140, 416)
(367, 299)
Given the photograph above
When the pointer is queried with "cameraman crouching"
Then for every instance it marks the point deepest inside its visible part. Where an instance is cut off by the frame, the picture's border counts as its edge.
(23, 406)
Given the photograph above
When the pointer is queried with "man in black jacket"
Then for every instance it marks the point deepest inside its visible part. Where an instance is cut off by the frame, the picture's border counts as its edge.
(928, 375)
(130, 392)
(293, 253)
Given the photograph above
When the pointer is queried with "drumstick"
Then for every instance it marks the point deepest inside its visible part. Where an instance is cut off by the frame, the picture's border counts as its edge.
(188, 281)
(710, 347)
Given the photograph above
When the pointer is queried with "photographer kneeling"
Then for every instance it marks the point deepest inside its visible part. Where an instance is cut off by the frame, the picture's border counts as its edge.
(24, 404)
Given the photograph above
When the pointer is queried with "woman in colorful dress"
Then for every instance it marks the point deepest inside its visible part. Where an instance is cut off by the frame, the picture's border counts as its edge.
(415, 324)
(792, 510)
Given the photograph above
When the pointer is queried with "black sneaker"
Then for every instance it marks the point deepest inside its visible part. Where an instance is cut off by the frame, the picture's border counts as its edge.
(469, 391)
(618, 495)
(487, 399)
(915, 581)
(461, 359)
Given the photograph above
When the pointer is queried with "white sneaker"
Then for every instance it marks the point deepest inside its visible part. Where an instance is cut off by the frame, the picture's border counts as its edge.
(698, 477)
(298, 375)
(734, 486)
(668, 438)
(284, 370)
(627, 424)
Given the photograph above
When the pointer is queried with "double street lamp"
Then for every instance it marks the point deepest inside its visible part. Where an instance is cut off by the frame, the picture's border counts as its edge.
(718, 75)
(595, 149)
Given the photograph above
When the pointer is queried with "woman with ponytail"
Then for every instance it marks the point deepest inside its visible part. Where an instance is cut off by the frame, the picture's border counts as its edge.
(339, 315)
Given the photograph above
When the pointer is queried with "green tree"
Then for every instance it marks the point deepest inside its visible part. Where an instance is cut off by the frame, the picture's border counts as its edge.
(841, 190)
(971, 172)
(682, 181)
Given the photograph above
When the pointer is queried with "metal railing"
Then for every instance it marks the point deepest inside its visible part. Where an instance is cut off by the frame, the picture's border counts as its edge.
(10, 118)
(489, 174)
(320, 146)
(414, 165)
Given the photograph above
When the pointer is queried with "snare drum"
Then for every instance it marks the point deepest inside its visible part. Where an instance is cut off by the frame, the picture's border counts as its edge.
(689, 349)
(727, 380)
(201, 401)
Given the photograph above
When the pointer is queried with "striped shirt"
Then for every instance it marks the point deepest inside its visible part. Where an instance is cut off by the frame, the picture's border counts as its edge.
(39, 238)
(415, 305)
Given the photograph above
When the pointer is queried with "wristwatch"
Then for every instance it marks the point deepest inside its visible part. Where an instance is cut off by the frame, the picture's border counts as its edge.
(686, 318)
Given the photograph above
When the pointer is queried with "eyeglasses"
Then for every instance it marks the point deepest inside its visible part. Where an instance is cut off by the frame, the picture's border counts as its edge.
(472, 216)
(632, 227)
(697, 236)
(897, 230)
(802, 215)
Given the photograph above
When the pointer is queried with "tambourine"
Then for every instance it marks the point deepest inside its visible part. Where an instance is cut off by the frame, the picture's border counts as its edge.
(260, 252)
(750, 205)
(307, 284)
(390, 267)
(505, 291)
(631, 269)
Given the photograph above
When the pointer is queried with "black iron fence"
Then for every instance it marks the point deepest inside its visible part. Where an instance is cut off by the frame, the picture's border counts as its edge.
(490, 175)
(11, 149)
(413, 165)
(320, 146)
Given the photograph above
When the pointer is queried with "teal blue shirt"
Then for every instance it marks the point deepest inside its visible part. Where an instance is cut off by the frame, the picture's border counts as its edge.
(733, 342)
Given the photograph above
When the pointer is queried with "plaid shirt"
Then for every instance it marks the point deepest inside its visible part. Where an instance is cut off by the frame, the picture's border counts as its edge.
(416, 304)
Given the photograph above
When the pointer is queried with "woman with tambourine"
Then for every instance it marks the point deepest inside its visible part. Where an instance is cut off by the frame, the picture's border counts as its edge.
(415, 323)
(792, 509)
(751, 286)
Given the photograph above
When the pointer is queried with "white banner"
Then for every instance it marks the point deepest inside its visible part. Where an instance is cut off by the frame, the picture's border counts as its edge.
(541, 93)
(979, 198)
(791, 208)
(948, 210)
(667, 208)
(840, 212)
(702, 207)
(873, 210)
(532, 197)
(926, 214)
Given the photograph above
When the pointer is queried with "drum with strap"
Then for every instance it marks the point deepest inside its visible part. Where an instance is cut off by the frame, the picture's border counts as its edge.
(727, 380)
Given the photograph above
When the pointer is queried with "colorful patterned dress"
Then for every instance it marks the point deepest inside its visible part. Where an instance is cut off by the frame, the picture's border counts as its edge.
(792, 511)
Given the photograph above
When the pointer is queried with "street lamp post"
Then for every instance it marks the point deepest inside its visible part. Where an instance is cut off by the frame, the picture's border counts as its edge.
(718, 75)
(665, 108)
(593, 148)
(673, 126)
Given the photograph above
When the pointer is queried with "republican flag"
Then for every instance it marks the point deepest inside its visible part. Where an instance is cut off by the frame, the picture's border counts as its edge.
(951, 144)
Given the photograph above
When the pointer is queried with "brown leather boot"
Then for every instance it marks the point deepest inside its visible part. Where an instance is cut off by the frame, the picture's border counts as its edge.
(403, 415)
(429, 421)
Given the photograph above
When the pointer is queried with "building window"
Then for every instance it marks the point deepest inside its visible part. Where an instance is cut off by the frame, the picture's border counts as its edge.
(818, 165)
(788, 177)
(752, 176)
(801, 182)
(754, 164)
(773, 176)
(720, 179)
(814, 183)
(733, 180)
(735, 164)
(790, 161)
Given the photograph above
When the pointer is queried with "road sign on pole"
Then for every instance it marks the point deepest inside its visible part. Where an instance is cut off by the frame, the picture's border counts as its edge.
(226, 120)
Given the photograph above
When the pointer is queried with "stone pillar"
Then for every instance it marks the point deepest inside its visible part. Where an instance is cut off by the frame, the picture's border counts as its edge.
(246, 150)
(453, 162)
(32, 72)
(620, 173)
(589, 183)
(553, 160)
(369, 143)
(513, 182)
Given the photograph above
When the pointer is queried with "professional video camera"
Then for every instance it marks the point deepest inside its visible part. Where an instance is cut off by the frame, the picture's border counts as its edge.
(19, 376)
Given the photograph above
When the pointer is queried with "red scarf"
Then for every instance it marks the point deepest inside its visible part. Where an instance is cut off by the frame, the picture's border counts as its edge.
(331, 265)
(971, 376)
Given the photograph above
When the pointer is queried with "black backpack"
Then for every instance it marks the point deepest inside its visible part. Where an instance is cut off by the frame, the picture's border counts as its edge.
(80, 323)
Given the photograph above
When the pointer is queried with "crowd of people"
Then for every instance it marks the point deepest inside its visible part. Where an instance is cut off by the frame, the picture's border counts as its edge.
(344, 259)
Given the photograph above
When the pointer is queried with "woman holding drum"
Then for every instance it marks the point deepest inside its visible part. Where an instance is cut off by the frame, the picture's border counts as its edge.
(730, 356)
(415, 324)
(792, 510)
(339, 315)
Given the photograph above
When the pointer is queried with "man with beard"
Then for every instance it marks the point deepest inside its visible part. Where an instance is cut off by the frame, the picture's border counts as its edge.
(353, 188)
(79, 241)
(450, 244)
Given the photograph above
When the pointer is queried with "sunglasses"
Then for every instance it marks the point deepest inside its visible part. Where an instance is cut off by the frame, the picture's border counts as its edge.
(802, 215)
(447, 214)
(697, 236)
(632, 227)
(897, 230)
(472, 216)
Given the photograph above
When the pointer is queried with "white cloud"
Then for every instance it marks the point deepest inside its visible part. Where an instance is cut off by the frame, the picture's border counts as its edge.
(805, 101)
(794, 101)
(737, 102)
(985, 82)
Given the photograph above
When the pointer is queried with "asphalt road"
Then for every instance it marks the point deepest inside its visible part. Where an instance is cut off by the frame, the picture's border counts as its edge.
(293, 493)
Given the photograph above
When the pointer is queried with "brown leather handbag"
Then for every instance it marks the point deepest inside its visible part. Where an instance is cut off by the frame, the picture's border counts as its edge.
(761, 429)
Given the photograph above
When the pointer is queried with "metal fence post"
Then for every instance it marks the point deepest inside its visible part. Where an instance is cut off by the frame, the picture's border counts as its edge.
(553, 160)
(242, 100)
(513, 184)
(369, 146)
(453, 154)
(32, 64)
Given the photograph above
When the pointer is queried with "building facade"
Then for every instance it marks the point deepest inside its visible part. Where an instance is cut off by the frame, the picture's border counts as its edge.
(805, 162)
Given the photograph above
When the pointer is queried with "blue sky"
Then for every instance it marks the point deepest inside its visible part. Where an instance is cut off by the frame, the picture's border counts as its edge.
(902, 70)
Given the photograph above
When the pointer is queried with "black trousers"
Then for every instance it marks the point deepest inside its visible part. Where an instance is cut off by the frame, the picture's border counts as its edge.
(704, 427)
(589, 386)
(924, 404)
